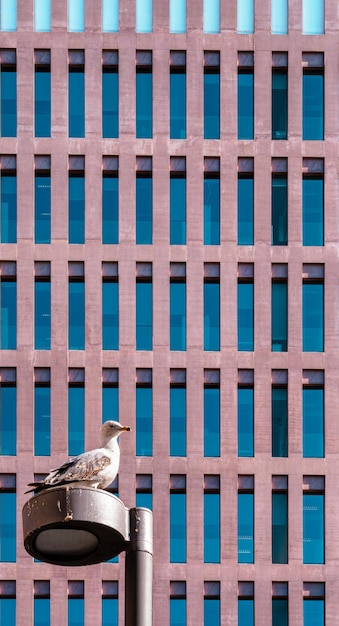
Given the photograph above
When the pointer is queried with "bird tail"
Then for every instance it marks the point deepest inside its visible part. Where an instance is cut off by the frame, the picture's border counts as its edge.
(36, 487)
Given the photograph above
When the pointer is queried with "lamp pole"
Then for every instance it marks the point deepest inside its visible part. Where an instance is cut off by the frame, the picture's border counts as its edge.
(138, 569)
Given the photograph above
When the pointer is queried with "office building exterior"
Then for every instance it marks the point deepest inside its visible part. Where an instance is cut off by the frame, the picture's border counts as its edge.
(169, 258)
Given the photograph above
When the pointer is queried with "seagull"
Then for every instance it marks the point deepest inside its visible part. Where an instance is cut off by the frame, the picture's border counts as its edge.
(96, 468)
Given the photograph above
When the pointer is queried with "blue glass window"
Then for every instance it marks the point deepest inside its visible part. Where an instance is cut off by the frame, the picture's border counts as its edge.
(8, 611)
(245, 103)
(76, 15)
(279, 421)
(313, 316)
(110, 313)
(42, 419)
(177, 611)
(110, 101)
(144, 208)
(42, 100)
(245, 612)
(144, 82)
(313, 422)
(42, 15)
(178, 97)
(110, 208)
(212, 209)
(245, 527)
(177, 20)
(178, 313)
(279, 611)
(110, 16)
(279, 527)
(279, 211)
(313, 528)
(144, 420)
(76, 418)
(178, 524)
(8, 313)
(245, 17)
(42, 313)
(42, 611)
(110, 611)
(76, 315)
(245, 316)
(8, 15)
(211, 611)
(211, 16)
(110, 402)
(245, 421)
(76, 612)
(211, 420)
(144, 314)
(8, 195)
(313, 104)
(313, 612)
(76, 207)
(279, 103)
(143, 494)
(211, 314)
(143, 16)
(8, 523)
(212, 96)
(8, 98)
(245, 209)
(313, 17)
(76, 99)
(279, 319)
(8, 419)
(279, 19)
(313, 210)
(177, 419)
(178, 208)
(42, 207)
(212, 526)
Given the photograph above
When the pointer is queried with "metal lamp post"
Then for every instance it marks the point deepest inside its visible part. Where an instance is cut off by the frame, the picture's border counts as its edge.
(83, 526)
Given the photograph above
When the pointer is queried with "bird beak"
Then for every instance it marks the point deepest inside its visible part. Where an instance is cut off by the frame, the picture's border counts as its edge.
(126, 428)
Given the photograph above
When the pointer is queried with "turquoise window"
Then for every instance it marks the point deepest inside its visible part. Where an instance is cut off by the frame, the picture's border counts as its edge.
(8, 99)
(42, 314)
(245, 421)
(313, 528)
(143, 16)
(177, 527)
(313, 422)
(279, 20)
(42, 101)
(8, 15)
(211, 315)
(211, 421)
(313, 211)
(42, 611)
(144, 104)
(177, 612)
(42, 207)
(245, 612)
(110, 208)
(211, 611)
(144, 421)
(110, 314)
(245, 103)
(76, 612)
(245, 209)
(110, 612)
(245, 316)
(279, 527)
(76, 315)
(279, 611)
(42, 15)
(313, 104)
(8, 197)
(8, 611)
(110, 16)
(279, 103)
(178, 209)
(314, 612)
(211, 209)
(313, 19)
(144, 315)
(211, 16)
(8, 419)
(177, 420)
(42, 419)
(279, 421)
(7, 526)
(144, 500)
(76, 419)
(110, 101)
(313, 317)
(178, 102)
(8, 314)
(279, 211)
(177, 20)
(211, 527)
(211, 102)
(245, 527)
(76, 101)
(76, 207)
(110, 402)
(245, 17)
(144, 209)
(178, 314)
(279, 317)
(76, 15)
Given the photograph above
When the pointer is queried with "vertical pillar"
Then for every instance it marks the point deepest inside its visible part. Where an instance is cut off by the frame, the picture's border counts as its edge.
(139, 569)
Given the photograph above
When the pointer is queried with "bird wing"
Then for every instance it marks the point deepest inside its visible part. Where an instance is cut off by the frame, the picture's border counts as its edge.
(83, 467)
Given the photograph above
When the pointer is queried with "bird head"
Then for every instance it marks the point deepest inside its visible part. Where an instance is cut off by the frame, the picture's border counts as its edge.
(111, 430)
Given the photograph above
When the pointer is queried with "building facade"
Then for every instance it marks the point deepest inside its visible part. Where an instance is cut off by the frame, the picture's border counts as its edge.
(169, 258)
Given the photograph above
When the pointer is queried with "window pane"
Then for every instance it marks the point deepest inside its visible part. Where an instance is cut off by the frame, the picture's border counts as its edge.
(279, 17)
(245, 612)
(76, 102)
(178, 103)
(177, 16)
(211, 105)
(279, 104)
(76, 209)
(143, 16)
(110, 315)
(313, 17)
(177, 612)
(41, 612)
(313, 422)
(279, 612)
(8, 611)
(279, 528)
(313, 317)
(313, 211)
(144, 210)
(245, 421)
(76, 316)
(177, 211)
(279, 422)
(144, 419)
(211, 612)
(110, 102)
(211, 211)
(76, 420)
(279, 316)
(144, 316)
(42, 319)
(144, 102)
(8, 315)
(211, 316)
(177, 421)
(7, 420)
(8, 13)
(42, 102)
(8, 208)
(279, 211)
(313, 104)
(42, 15)
(7, 527)
(245, 210)
(211, 528)
(245, 22)
(144, 500)
(110, 403)
(313, 528)
(110, 16)
(211, 421)
(42, 209)
(245, 104)
(314, 612)
(245, 316)
(76, 612)
(76, 15)
(177, 528)
(245, 528)
(109, 608)
(42, 421)
(177, 316)
(8, 101)
(211, 16)
(110, 210)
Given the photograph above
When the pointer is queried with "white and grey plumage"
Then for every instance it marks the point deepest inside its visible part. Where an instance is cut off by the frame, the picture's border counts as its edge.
(96, 468)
